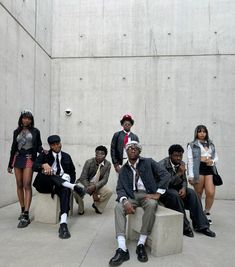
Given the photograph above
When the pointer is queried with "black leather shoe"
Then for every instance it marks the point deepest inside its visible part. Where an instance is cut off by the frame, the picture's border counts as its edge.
(96, 209)
(79, 190)
(24, 222)
(141, 253)
(207, 231)
(119, 257)
(188, 232)
(63, 231)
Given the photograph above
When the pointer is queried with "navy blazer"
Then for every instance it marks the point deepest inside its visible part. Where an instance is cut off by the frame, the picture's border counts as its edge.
(117, 146)
(151, 172)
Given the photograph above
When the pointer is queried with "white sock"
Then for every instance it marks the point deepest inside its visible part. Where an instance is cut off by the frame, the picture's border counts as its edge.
(122, 242)
(63, 218)
(206, 211)
(68, 185)
(142, 240)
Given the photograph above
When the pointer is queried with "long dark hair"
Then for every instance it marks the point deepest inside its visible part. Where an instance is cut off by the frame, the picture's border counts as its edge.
(198, 129)
(28, 114)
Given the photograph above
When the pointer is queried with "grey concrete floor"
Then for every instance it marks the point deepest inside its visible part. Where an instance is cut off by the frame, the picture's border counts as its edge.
(92, 241)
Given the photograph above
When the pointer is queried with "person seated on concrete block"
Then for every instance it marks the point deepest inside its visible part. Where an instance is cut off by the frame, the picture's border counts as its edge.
(179, 197)
(94, 177)
(140, 183)
(56, 175)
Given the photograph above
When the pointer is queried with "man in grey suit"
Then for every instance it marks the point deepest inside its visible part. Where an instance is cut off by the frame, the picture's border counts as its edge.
(94, 177)
(140, 183)
(119, 140)
(180, 197)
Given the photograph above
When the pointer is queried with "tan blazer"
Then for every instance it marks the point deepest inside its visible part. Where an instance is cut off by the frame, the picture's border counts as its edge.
(89, 170)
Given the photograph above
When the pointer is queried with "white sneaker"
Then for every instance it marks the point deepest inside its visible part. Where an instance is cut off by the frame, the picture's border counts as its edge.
(208, 217)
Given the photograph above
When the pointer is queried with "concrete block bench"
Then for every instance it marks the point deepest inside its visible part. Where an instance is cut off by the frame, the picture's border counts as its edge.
(167, 233)
(47, 210)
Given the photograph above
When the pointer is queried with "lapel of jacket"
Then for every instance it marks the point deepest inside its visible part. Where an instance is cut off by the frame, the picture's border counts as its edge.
(51, 158)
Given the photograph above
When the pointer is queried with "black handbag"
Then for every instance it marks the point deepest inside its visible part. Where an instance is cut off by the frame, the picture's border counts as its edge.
(217, 180)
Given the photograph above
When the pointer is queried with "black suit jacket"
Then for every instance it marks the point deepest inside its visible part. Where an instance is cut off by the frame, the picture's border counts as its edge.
(36, 142)
(117, 146)
(41, 182)
(151, 173)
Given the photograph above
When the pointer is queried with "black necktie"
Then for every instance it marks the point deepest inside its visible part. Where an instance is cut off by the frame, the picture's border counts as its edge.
(58, 165)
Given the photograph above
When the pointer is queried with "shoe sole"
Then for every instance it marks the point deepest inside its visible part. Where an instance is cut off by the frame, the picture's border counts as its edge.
(23, 226)
(119, 263)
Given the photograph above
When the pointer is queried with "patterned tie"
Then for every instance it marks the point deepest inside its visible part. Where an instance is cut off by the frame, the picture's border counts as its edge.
(137, 175)
(97, 175)
(125, 139)
(57, 165)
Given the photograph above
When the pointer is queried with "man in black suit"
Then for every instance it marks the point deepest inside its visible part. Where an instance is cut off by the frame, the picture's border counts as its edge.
(56, 175)
(179, 197)
(140, 183)
(119, 140)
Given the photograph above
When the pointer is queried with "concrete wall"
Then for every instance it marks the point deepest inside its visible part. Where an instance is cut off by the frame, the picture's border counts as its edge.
(168, 63)
(25, 74)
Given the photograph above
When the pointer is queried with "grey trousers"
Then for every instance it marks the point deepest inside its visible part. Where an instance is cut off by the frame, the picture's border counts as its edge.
(148, 219)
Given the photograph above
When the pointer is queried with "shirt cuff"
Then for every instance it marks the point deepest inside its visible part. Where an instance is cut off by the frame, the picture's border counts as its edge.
(121, 199)
(161, 191)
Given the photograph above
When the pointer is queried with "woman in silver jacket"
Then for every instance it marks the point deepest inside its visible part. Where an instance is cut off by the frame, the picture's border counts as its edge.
(201, 164)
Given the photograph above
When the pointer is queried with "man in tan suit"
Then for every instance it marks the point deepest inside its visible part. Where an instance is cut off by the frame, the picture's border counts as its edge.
(94, 177)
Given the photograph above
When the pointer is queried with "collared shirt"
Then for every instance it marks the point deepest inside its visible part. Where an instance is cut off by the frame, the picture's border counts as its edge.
(174, 167)
(94, 177)
(124, 156)
(54, 167)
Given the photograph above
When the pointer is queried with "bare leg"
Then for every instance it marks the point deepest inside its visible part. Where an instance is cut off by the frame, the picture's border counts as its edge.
(198, 187)
(19, 184)
(209, 191)
(27, 181)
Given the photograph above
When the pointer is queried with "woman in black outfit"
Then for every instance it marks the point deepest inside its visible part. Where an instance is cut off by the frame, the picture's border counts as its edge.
(25, 146)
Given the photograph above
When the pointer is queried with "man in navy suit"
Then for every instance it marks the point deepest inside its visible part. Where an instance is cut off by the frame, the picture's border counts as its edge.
(56, 175)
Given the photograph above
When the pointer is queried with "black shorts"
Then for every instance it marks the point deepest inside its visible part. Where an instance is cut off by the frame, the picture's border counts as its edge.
(205, 170)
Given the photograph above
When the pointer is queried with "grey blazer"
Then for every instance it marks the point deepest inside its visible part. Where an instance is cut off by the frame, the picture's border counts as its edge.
(176, 182)
(89, 170)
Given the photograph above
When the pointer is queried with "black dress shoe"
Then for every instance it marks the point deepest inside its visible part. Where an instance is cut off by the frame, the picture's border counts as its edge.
(188, 232)
(24, 222)
(63, 231)
(141, 253)
(96, 209)
(79, 190)
(119, 257)
(207, 231)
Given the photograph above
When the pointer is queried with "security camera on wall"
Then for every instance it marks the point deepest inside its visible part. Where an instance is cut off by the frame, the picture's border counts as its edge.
(68, 112)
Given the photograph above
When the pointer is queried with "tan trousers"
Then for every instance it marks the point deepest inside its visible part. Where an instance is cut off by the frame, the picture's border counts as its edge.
(104, 192)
